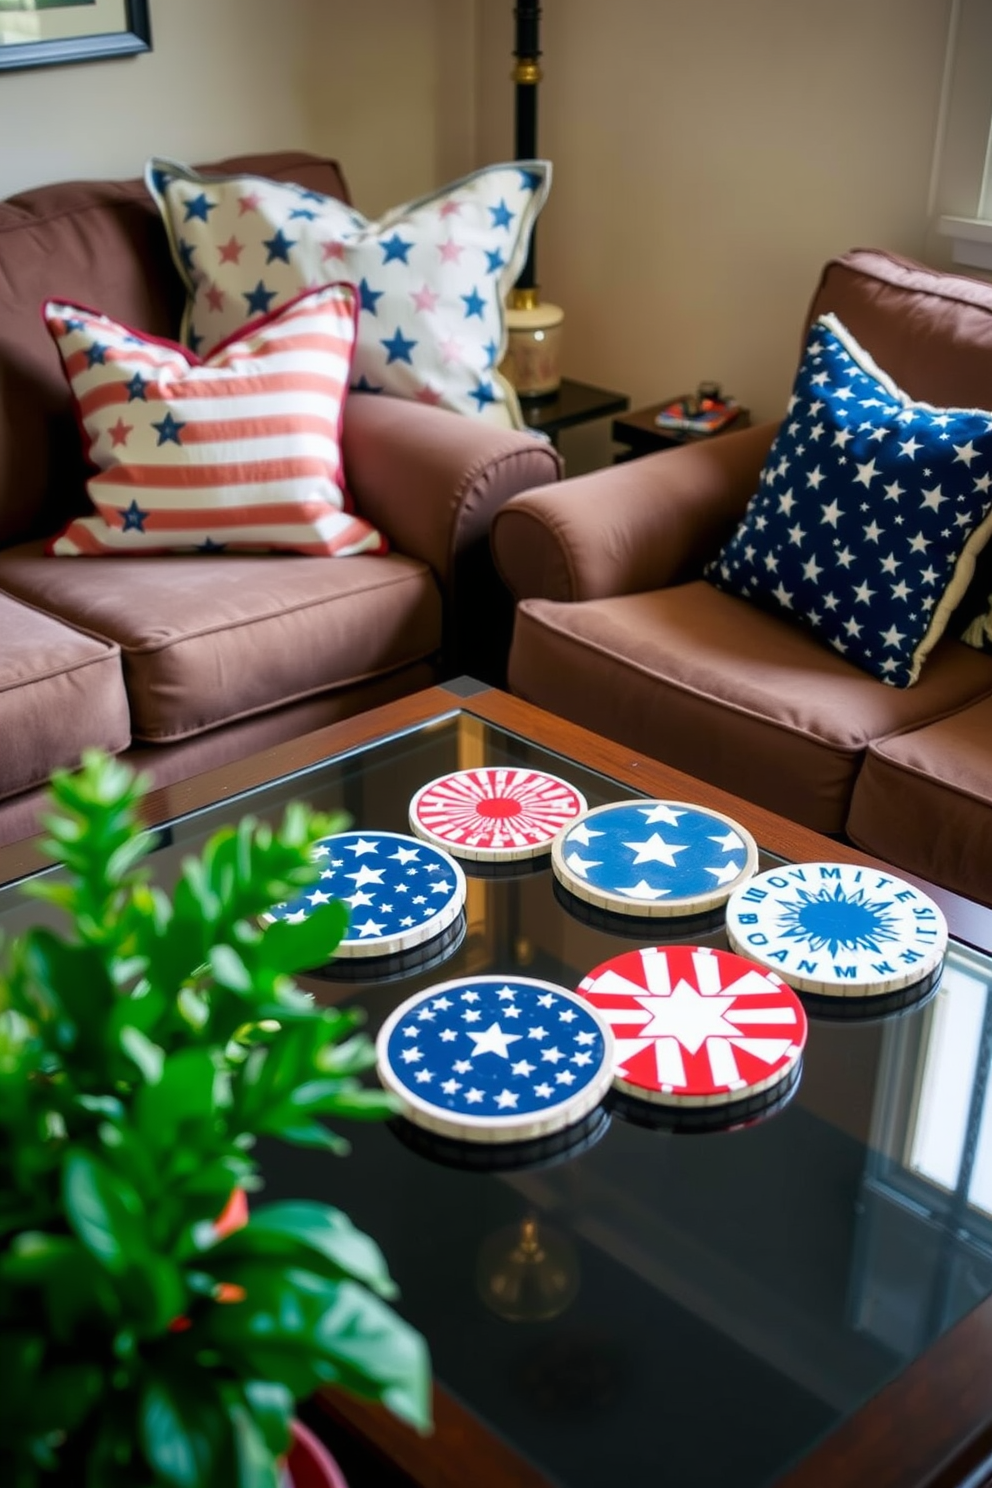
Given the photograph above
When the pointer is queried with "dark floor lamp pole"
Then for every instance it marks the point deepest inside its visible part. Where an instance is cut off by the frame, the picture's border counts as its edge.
(526, 76)
(533, 358)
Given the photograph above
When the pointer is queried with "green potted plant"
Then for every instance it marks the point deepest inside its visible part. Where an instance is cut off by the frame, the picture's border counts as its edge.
(158, 1323)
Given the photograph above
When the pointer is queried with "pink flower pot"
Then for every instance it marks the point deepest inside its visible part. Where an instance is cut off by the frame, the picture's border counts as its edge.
(310, 1463)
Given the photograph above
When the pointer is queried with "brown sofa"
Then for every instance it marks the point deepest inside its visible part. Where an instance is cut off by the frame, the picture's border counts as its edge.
(184, 663)
(617, 630)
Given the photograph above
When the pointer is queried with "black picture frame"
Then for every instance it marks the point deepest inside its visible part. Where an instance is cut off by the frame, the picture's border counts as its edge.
(134, 35)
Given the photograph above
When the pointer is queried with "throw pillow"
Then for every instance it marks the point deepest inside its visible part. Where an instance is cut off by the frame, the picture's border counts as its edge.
(432, 275)
(870, 511)
(241, 451)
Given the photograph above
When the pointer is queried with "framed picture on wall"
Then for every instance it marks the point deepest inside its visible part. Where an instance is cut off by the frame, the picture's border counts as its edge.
(41, 33)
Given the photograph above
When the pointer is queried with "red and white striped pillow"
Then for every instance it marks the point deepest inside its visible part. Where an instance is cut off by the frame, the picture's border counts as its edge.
(241, 451)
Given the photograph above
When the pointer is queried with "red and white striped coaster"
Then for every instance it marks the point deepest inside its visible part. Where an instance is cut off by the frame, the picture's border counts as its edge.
(496, 813)
(696, 1026)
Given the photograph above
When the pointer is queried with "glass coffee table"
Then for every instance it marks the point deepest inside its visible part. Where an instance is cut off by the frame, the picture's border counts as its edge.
(803, 1299)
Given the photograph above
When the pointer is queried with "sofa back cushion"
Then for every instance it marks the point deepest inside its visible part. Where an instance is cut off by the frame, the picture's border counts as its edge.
(100, 243)
(931, 331)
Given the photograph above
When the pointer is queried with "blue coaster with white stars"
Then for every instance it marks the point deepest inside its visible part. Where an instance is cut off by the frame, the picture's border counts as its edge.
(495, 1059)
(838, 929)
(869, 512)
(654, 859)
(400, 892)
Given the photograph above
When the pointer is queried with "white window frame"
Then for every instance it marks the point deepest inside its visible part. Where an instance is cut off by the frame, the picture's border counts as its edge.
(961, 181)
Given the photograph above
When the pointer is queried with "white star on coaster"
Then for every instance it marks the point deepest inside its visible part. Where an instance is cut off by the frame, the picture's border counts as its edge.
(473, 1097)
(506, 1100)
(544, 1090)
(493, 1041)
(726, 874)
(582, 833)
(659, 812)
(581, 866)
(319, 897)
(523, 1068)
(358, 899)
(405, 854)
(655, 850)
(643, 890)
(371, 927)
(729, 842)
(361, 847)
(366, 876)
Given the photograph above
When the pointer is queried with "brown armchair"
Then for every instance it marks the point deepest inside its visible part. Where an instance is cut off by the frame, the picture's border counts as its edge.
(617, 629)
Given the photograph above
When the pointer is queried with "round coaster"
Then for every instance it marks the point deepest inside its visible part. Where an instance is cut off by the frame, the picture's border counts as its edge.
(398, 966)
(494, 1059)
(505, 1157)
(653, 858)
(399, 891)
(736, 1115)
(695, 1026)
(496, 813)
(838, 929)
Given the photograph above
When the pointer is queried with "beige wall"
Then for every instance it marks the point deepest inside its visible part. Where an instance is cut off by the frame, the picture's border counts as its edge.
(708, 159)
(374, 83)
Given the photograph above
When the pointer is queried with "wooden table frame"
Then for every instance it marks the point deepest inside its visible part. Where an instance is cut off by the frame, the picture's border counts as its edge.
(929, 1428)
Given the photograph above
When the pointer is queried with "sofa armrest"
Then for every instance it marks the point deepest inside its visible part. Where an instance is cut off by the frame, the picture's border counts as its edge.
(631, 527)
(432, 480)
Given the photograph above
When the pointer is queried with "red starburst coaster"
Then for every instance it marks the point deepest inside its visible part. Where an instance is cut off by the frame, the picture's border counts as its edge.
(495, 813)
(695, 1026)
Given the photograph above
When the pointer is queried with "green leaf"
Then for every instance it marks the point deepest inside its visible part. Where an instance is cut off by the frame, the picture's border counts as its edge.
(256, 1465)
(308, 1134)
(230, 970)
(299, 1231)
(141, 1051)
(385, 1357)
(271, 1406)
(312, 942)
(187, 1092)
(180, 1430)
(103, 1210)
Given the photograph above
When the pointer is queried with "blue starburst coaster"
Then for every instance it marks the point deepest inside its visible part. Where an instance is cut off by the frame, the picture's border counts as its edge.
(653, 858)
(400, 891)
(837, 929)
(495, 1059)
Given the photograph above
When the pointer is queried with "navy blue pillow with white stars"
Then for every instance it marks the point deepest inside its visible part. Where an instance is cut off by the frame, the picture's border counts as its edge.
(870, 511)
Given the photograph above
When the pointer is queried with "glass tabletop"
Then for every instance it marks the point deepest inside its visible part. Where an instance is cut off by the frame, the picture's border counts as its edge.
(702, 1306)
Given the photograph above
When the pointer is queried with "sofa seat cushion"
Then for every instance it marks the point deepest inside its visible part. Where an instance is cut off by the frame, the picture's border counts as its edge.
(208, 640)
(923, 801)
(60, 693)
(718, 688)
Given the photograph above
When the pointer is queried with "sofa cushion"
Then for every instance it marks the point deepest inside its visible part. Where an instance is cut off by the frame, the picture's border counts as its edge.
(923, 802)
(207, 640)
(241, 451)
(722, 690)
(869, 513)
(432, 274)
(103, 243)
(60, 692)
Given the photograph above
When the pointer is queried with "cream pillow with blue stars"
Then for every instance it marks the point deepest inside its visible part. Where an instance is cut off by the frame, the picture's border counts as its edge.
(870, 511)
(432, 276)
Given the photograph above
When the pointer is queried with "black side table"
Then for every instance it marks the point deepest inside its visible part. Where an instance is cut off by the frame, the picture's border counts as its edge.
(640, 435)
(573, 403)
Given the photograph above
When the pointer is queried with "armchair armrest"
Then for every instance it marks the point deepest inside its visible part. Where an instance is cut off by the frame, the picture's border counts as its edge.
(432, 481)
(636, 526)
